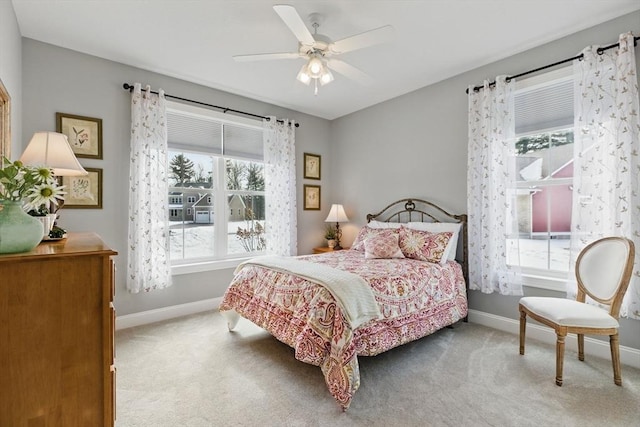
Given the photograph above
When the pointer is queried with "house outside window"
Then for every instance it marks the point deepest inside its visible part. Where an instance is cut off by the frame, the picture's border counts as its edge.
(216, 162)
(539, 237)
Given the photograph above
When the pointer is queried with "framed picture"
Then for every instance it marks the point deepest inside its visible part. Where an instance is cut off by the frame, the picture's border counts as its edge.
(83, 192)
(312, 197)
(84, 134)
(5, 123)
(312, 166)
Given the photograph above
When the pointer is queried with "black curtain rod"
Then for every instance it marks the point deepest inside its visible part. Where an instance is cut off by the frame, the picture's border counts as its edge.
(600, 50)
(129, 87)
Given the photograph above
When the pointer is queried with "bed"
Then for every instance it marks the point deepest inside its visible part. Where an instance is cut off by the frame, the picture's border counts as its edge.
(336, 306)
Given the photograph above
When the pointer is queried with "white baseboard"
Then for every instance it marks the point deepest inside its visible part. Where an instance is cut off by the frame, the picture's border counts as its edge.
(165, 313)
(628, 355)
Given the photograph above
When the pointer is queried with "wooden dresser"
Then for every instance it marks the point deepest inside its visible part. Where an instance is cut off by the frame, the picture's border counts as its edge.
(57, 325)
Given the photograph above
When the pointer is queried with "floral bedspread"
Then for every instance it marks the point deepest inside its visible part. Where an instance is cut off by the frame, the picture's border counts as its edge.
(416, 298)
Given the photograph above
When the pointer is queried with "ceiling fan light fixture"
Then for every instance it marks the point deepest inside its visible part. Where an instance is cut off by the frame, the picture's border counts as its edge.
(303, 75)
(326, 77)
(315, 67)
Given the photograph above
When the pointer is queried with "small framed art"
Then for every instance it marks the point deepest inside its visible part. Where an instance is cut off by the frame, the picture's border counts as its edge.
(5, 123)
(312, 197)
(312, 163)
(83, 192)
(84, 134)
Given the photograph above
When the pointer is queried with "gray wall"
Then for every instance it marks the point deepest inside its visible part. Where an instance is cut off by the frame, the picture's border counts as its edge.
(11, 68)
(416, 146)
(61, 80)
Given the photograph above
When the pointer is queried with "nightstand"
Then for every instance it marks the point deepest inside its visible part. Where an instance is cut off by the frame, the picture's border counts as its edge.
(323, 249)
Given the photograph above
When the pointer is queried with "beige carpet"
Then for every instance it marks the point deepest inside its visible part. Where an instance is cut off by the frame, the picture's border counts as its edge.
(193, 372)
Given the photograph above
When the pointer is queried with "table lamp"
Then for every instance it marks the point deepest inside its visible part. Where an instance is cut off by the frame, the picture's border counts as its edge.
(52, 150)
(337, 215)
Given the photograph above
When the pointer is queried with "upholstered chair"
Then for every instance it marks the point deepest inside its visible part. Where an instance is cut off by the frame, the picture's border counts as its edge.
(603, 271)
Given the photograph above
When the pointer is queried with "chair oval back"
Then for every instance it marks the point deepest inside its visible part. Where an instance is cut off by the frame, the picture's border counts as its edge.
(603, 270)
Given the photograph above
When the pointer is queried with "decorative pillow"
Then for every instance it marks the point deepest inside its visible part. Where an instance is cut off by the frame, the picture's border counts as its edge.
(381, 224)
(365, 232)
(439, 227)
(383, 245)
(423, 245)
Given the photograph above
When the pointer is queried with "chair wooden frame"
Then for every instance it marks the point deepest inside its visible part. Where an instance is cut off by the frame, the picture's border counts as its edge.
(613, 302)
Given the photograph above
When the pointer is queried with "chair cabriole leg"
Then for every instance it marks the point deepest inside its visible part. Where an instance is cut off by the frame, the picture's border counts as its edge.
(523, 328)
(615, 358)
(581, 347)
(559, 357)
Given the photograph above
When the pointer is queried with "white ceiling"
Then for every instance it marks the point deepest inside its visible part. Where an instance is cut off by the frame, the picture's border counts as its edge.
(195, 40)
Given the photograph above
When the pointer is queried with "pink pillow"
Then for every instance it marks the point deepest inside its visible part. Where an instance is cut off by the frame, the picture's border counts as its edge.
(366, 232)
(383, 245)
(423, 245)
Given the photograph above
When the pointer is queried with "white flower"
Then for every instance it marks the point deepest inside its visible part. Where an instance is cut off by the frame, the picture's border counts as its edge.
(45, 194)
(35, 185)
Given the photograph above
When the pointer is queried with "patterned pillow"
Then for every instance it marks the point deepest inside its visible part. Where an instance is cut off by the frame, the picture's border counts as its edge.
(365, 232)
(383, 245)
(423, 245)
(439, 227)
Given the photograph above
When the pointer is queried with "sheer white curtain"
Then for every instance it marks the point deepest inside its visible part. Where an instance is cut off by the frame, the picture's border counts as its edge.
(148, 256)
(491, 188)
(606, 199)
(280, 187)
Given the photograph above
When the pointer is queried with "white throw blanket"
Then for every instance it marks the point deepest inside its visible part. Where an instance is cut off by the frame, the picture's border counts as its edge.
(350, 290)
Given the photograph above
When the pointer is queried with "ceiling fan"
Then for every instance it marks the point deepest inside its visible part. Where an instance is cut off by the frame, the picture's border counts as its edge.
(319, 51)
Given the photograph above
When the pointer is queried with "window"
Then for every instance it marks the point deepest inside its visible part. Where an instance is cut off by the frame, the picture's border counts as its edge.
(543, 194)
(215, 162)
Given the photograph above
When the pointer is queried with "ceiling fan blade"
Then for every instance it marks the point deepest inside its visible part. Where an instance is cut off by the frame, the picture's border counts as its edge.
(362, 40)
(349, 71)
(291, 18)
(266, 56)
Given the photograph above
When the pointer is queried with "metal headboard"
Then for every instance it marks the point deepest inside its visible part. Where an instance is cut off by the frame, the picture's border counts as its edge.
(417, 210)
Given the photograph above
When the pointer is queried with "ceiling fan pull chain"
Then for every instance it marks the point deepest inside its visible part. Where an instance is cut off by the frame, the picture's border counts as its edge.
(315, 92)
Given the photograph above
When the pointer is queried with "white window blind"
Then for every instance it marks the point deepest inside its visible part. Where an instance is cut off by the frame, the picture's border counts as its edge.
(243, 142)
(544, 107)
(193, 133)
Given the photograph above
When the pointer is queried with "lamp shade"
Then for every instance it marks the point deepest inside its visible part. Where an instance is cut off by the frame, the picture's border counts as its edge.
(52, 149)
(336, 214)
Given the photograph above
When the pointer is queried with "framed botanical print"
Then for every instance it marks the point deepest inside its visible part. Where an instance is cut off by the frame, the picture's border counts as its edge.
(84, 134)
(83, 192)
(312, 197)
(5, 123)
(312, 166)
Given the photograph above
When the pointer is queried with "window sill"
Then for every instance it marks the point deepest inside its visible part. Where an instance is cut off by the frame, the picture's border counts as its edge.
(544, 282)
(198, 267)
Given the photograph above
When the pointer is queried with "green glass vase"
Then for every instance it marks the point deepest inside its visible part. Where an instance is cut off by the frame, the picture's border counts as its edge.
(19, 231)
